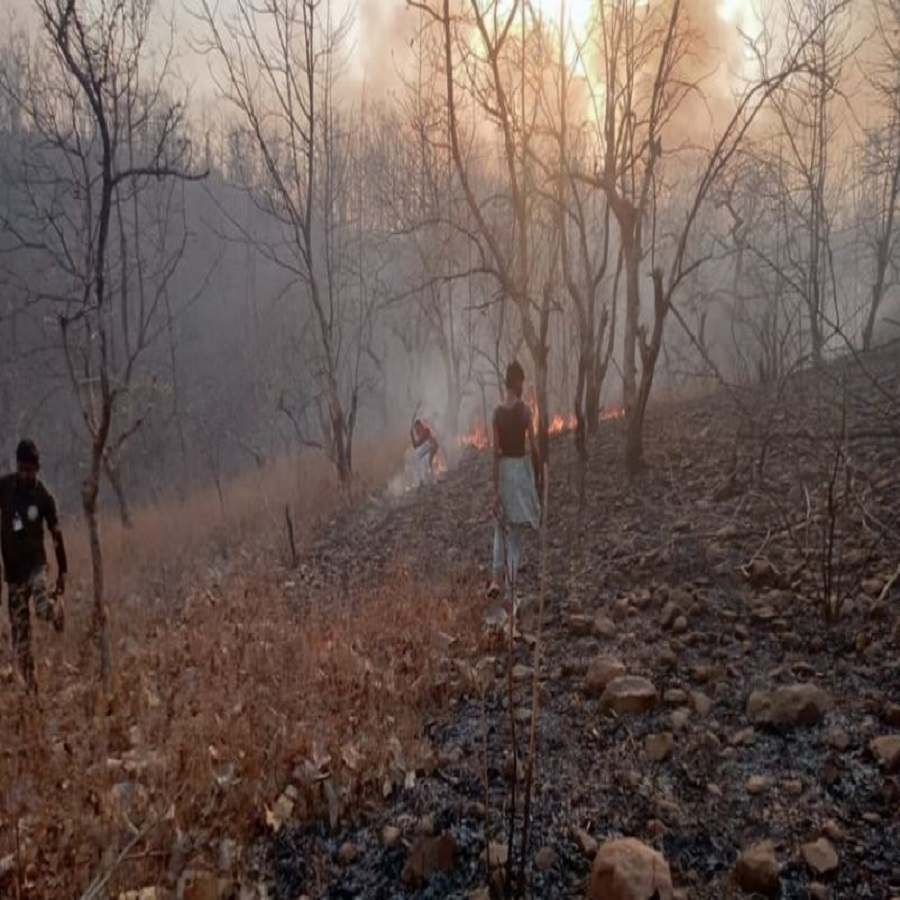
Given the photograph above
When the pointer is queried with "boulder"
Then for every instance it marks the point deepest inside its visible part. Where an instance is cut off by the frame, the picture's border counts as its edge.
(627, 869)
(629, 694)
(757, 870)
(792, 706)
(600, 673)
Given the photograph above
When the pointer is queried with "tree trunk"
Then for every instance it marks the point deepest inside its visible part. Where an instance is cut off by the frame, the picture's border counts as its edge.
(632, 318)
(90, 490)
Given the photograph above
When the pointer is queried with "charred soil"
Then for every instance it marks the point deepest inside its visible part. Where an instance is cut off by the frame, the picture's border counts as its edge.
(758, 551)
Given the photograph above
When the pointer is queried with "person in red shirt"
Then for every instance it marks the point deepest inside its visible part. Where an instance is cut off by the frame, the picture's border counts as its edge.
(25, 506)
(426, 447)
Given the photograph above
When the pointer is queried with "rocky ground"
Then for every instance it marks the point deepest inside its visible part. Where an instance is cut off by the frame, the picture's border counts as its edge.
(692, 693)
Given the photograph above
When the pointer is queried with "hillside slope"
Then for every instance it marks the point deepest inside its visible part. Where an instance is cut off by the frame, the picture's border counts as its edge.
(707, 578)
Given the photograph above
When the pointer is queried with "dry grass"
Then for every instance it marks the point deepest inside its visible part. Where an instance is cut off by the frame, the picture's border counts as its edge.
(221, 698)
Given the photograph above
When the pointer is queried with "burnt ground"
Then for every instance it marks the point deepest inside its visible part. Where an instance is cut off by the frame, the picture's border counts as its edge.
(764, 475)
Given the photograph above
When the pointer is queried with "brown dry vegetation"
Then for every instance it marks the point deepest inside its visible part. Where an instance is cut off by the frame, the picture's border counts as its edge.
(224, 686)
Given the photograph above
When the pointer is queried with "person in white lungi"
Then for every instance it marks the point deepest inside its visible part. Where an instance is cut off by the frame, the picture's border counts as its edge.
(516, 504)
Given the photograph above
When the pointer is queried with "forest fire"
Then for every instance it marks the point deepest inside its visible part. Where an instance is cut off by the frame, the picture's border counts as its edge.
(478, 437)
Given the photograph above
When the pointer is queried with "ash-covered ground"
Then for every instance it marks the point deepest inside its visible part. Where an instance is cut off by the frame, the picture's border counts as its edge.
(709, 577)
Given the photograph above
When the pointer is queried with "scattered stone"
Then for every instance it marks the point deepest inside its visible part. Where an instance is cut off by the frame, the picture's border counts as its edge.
(668, 658)
(587, 843)
(580, 624)
(545, 859)
(659, 746)
(425, 825)
(680, 718)
(627, 869)
(680, 625)
(838, 739)
(629, 694)
(758, 784)
(701, 703)
(604, 627)
(675, 697)
(820, 856)
(818, 891)
(872, 586)
(886, 750)
(496, 854)
(892, 714)
(834, 831)
(757, 870)
(429, 855)
(602, 671)
(795, 705)
(390, 836)
(348, 853)
(670, 612)
(793, 787)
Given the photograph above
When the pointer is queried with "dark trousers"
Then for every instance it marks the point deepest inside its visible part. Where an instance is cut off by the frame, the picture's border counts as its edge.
(20, 597)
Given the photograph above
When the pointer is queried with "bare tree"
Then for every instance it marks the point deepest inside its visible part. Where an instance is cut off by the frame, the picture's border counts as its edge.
(881, 167)
(107, 134)
(277, 63)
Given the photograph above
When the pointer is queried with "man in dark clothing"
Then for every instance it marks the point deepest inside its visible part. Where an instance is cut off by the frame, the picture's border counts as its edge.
(25, 505)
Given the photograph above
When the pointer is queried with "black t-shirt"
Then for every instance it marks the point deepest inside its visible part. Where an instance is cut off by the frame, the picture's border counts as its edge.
(23, 510)
(512, 424)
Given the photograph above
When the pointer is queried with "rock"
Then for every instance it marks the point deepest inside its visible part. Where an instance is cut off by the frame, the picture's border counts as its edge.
(627, 869)
(604, 627)
(793, 787)
(348, 853)
(602, 671)
(198, 884)
(680, 718)
(818, 891)
(668, 658)
(892, 714)
(834, 831)
(429, 855)
(758, 784)
(838, 739)
(701, 703)
(580, 624)
(872, 587)
(680, 625)
(792, 706)
(670, 612)
(820, 856)
(629, 694)
(757, 870)
(587, 843)
(390, 835)
(496, 854)
(545, 859)
(675, 697)
(145, 893)
(886, 750)
(659, 746)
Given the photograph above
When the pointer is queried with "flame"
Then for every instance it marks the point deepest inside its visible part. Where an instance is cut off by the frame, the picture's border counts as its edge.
(609, 413)
(477, 437)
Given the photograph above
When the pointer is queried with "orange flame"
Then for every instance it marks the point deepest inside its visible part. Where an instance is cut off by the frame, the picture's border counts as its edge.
(477, 437)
